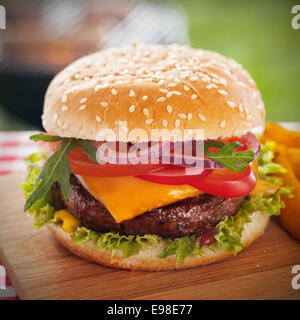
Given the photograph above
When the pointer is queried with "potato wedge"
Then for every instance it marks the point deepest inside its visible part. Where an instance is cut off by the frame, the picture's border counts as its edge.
(290, 215)
(275, 132)
(293, 155)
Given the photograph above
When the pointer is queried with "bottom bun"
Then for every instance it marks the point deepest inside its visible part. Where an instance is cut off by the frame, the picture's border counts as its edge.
(147, 260)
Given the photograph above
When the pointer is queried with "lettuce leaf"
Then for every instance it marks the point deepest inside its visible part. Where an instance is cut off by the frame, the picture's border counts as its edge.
(266, 165)
(181, 247)
(111, 241)
(229, 231)
(42, 211)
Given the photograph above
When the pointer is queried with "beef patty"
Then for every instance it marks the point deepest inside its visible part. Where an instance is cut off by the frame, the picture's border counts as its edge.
(185, 217)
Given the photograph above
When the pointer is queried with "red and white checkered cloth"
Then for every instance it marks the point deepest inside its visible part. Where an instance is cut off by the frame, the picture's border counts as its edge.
(14, 148)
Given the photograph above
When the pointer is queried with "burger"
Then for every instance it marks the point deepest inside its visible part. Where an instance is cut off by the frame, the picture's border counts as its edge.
(115, 185)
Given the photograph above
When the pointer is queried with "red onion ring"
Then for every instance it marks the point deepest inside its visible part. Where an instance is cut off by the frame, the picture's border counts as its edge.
(166, 153)
(108, 152)
(252, 143)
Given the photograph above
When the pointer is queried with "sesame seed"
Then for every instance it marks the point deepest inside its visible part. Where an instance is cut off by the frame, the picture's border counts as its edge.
(169, 109)
(64, 108)
(177, 123)
(242, 84)
(131, 93)
(145, 98)
(104, 104)
(82, 107)
(169, 94)
(215, 81)
(172, 84)
(97, 88)
(87, 78)
(160, 82)
(98, 119)
(205, 79)
(146, 112)
(177, 93)
(223, 81)
(189, 116)
(64, 99)
(165, 123)
(77, 76)
(83, 100)
(114, 91)
(148, 121)
(223, 123)
(230, 104)
(210, 86)
(223, 92)
(163, 90)
(186, 88)
(132, 108)
(161, 99)
(181, 115)
(194, 78)
(201, 116)
(241, 107)
(193, 96)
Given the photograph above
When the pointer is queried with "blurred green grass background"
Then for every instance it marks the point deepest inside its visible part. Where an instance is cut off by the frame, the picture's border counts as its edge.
(258, 34)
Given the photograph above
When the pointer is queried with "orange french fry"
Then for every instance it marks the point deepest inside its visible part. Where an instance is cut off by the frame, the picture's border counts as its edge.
(275, 132)
(290, 215)
(293, 155)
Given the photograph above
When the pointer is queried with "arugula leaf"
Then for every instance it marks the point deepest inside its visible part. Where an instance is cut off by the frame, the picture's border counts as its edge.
(226, 156)
(87, 146)
(57, 167)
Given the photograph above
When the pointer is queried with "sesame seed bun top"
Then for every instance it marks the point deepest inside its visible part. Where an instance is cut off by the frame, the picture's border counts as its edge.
(152, 87)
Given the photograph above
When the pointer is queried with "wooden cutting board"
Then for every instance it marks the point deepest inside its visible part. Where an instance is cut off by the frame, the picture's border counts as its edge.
(40, 268)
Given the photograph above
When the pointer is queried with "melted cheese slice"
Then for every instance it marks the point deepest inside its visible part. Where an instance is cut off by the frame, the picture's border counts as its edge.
(69, 223)
(265, 187)
(128, 197)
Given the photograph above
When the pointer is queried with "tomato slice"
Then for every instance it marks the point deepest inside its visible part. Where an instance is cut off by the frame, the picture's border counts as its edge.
(82, 165)
(227, 184)
(175, 175)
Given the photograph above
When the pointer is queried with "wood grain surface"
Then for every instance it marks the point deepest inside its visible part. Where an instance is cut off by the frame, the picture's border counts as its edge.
(40, 268)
